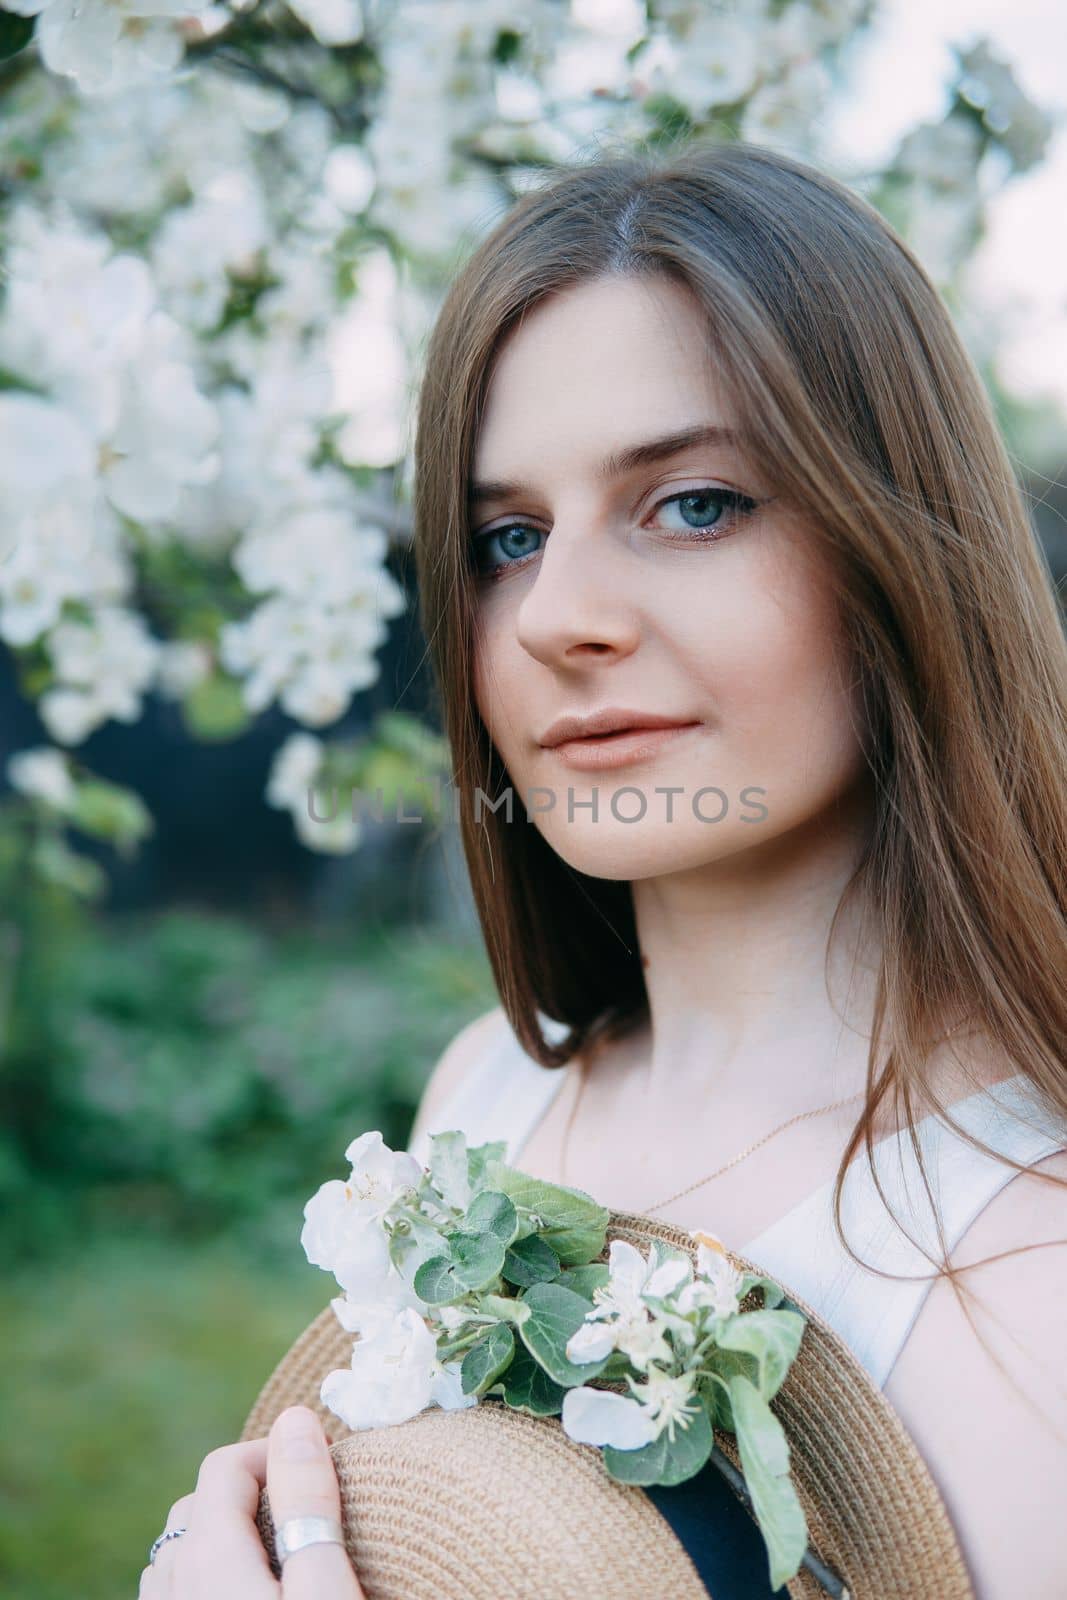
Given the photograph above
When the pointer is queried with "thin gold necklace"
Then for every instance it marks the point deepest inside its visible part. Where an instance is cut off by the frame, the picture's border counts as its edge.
(647, 1210)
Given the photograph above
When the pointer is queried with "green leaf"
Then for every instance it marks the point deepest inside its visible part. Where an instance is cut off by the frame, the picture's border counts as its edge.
(773, 1293)
(504, 1307)
(79, 875)
(555, 1314)
(772, 1337)
(661, 1252)
(108, 811)
(478, 1159)
(15, 33)
(529, 1261)
(477, 1259)
(214, 709)
(583, 1280)
(727, 1364)
(716, 1391)
(486, 1360)
(527, 1386)
(419, 1242)
(764, 1452)
(435, 1282)
(448, 1168)
(571, 1221)
(492, 1212)
(665, 1460)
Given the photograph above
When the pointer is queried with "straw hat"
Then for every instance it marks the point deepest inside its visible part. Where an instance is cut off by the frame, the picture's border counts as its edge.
(487, 1503)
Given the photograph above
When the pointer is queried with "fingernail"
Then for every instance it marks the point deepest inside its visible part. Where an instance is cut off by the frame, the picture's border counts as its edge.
(299, 1434)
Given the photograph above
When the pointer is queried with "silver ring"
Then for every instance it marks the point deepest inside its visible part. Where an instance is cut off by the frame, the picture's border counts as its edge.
(171, 1533)
(295, 1532)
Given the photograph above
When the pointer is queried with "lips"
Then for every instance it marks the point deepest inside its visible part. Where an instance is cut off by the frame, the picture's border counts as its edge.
(610, 721)
(624, 747)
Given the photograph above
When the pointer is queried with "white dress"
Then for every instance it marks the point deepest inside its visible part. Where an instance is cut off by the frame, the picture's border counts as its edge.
(505, 1093)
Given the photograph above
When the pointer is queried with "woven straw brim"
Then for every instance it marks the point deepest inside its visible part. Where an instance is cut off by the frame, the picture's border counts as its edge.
(492, 1504)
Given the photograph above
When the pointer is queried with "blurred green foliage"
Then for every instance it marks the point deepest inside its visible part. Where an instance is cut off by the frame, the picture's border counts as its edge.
(175, 1089)
(190, 1074)
(117, 1379)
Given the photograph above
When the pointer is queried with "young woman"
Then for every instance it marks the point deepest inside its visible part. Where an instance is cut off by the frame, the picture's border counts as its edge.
(730, 587)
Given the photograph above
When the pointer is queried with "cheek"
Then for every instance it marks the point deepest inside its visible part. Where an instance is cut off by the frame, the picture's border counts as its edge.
(496, 682)
(773, 666)
(786, 699)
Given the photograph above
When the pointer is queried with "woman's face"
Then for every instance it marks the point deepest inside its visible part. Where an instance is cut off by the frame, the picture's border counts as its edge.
(653, 585)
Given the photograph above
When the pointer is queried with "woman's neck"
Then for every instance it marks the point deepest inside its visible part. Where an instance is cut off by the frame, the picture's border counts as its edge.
(735, 962)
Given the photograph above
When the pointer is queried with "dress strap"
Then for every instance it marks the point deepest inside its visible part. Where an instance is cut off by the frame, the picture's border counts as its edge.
(503, 1095)
(874, 1315)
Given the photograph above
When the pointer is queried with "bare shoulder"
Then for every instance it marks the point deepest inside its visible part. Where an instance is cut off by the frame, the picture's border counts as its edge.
(452, 1065)
(996, 1441)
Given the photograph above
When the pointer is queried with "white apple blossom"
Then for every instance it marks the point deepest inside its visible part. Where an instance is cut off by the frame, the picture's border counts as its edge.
(662, 1403)
(84, 323)
(51, 565)
(183, 664)
(102, 668)
(716, 1285)
(784, 113)
(942, 153)
(322, 823)
(343, 1220)
(362, 1307)
(164, 432)
(294, 769)
(60, 540)
(331, 21)
(632, 1278)
(43, 773)
(305, 297)
(602, 1417)
(73, 311)
(336, 834)
(309, 656)
(621, 1318)
(336, 1226)
(133, 153)
(311, 644)
(109, 44)
(716, 63)
(990, 84)
(270, 433)
(222, 230)
(669, 1400)
(380, 1175)
(318, 554)
(394, 1374)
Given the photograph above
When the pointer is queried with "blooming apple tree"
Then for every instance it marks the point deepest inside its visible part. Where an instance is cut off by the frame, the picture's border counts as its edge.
(224, 233)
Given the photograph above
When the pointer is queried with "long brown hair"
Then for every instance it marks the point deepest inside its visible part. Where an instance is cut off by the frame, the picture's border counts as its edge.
(842, 360)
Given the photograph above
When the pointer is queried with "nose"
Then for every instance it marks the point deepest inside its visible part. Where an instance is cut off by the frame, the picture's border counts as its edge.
(578, 607)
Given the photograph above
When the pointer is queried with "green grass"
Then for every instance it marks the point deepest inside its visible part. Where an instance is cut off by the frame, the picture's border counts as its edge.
(123, 1365)
(180, 1085)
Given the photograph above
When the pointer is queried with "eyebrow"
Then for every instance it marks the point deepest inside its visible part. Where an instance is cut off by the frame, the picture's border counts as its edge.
(618, 462)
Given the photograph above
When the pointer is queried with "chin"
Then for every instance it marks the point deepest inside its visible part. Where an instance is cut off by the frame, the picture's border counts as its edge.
(618, 851)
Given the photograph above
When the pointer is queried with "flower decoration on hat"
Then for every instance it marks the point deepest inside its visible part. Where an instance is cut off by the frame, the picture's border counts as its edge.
(468, 1281)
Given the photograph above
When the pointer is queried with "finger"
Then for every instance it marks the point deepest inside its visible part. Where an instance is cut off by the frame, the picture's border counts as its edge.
(155, 1578)
(223, 1546)
(301, 1482)
(179, 1514)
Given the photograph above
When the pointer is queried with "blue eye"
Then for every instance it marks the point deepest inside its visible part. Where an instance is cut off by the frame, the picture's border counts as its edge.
(708, 513)
(515, 540)
(702, 509)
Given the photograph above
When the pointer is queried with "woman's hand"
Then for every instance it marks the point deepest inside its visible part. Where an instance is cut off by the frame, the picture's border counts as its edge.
(221, 1555)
